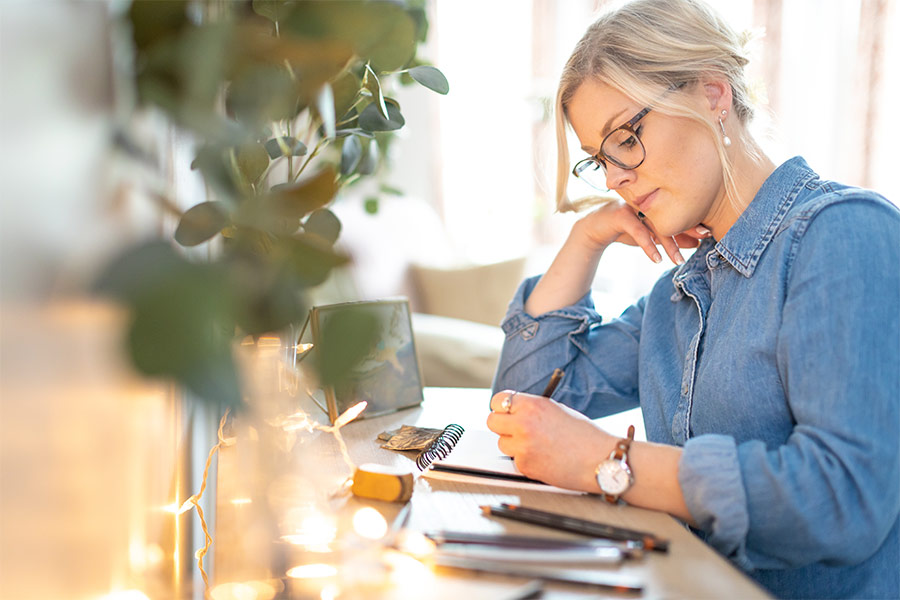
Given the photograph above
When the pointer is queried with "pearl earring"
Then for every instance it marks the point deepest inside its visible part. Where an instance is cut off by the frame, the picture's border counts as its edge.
(725, 139)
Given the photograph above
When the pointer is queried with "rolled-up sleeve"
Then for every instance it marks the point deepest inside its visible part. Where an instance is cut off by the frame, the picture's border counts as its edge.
(598, 380)
(709, 472)
(831, 492)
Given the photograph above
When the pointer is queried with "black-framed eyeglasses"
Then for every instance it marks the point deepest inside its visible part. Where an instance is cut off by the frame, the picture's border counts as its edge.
(622, 147)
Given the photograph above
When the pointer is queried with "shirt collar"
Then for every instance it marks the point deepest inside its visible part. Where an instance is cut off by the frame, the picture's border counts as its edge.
(750, 235)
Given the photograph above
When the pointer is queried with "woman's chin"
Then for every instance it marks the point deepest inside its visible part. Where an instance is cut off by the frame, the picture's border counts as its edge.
(666, 229)
(669, 228)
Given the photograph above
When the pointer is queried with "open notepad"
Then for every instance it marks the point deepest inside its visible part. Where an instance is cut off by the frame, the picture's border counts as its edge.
(475, 458)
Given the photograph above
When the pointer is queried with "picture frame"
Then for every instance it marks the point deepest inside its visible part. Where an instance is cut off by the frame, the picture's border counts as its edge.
(388, 377)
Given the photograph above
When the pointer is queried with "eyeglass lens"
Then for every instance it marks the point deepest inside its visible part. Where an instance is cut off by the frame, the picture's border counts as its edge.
(623, 148)
(592, 172)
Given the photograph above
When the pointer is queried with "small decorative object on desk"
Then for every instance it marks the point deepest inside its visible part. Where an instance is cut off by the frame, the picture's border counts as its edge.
(408, 437)
(377, 337)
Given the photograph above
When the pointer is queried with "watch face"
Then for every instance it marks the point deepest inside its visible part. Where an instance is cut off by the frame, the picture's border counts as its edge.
(613, 477)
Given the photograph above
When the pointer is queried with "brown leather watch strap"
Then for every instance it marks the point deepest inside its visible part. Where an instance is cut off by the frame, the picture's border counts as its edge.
(624, 444)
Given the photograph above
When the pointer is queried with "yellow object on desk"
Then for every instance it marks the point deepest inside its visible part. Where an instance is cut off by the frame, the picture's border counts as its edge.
(380, 482)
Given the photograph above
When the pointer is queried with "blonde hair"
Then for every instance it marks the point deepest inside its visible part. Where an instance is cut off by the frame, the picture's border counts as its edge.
(649, 47)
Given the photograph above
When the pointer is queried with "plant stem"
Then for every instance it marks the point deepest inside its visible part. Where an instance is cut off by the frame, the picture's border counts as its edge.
(308, 158)
(359, 99)
(291, 155)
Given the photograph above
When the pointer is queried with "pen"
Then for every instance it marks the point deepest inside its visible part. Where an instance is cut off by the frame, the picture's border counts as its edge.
(575, 525)
(630, 548)
(607, 581)
(525, 541)
(554, 381)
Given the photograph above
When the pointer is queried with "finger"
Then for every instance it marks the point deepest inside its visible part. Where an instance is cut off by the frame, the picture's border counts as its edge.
(642, 236)
(698, 232)
(686, 241)
(671, 247)
(498, 398)
(500, 423)
(506, 443)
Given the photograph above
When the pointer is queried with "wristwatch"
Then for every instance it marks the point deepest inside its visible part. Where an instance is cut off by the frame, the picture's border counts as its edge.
(614, 476)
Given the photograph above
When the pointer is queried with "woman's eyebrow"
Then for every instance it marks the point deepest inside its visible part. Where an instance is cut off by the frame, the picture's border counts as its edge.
(608, 124)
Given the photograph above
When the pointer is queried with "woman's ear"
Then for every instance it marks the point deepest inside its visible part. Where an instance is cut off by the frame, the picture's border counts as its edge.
(718, 93)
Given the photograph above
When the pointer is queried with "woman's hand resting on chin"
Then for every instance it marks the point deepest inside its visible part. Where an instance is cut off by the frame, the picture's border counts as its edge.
(618, 222)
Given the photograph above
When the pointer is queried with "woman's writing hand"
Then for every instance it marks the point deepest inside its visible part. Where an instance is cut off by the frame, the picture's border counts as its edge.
(550, 442)
(617, 222)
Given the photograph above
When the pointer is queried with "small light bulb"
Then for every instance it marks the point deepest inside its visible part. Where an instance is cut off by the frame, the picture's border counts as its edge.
(368, 523)
(125, 595)
(312, 571)
(350, 414)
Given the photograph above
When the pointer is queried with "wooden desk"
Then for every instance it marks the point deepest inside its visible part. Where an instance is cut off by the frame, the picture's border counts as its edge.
(689, 570)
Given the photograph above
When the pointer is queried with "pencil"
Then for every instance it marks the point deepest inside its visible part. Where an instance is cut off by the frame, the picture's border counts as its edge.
(603, 580)
(630, 548)
(575, 525)
(554, 381)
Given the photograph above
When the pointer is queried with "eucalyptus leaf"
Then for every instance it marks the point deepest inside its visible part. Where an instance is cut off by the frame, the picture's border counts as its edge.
(323, 223)
(416, 10)
(380, 31)
(252, 160)
(268, 297)
(180, 315)
(299, 199)
(200, 223)
(325, 108)
(182, 74)
(213, 164)
(374, 86)
(348, 335)
(370, 118)
(202, 65)
(369, 161)
(390, 190)
(262, 94)
(351, 153)
(430, 77)
(274, 10)
(310, 258)
(345, 89)
(395, 46)
(285, 146)
(307, 63)
(152, 21)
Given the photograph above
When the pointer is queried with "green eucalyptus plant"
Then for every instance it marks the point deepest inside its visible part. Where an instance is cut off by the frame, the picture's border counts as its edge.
(288, 101)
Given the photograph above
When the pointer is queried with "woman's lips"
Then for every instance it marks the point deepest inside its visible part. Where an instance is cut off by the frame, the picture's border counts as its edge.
(643, 202)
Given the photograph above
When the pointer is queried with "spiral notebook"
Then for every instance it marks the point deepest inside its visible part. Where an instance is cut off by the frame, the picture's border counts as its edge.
(473, 457)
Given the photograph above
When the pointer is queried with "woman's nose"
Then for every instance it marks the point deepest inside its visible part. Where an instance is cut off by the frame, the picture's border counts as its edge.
(617, 177)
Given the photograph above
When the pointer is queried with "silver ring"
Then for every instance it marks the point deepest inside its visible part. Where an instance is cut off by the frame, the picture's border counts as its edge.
(506, 403)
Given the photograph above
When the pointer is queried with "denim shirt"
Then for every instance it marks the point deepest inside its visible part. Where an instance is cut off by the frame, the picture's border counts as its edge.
(772, 357)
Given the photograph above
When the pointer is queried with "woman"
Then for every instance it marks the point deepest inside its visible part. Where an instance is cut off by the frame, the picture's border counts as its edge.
(767, 365)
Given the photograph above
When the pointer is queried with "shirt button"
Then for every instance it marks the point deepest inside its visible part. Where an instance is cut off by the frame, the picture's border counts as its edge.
(684, 388)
